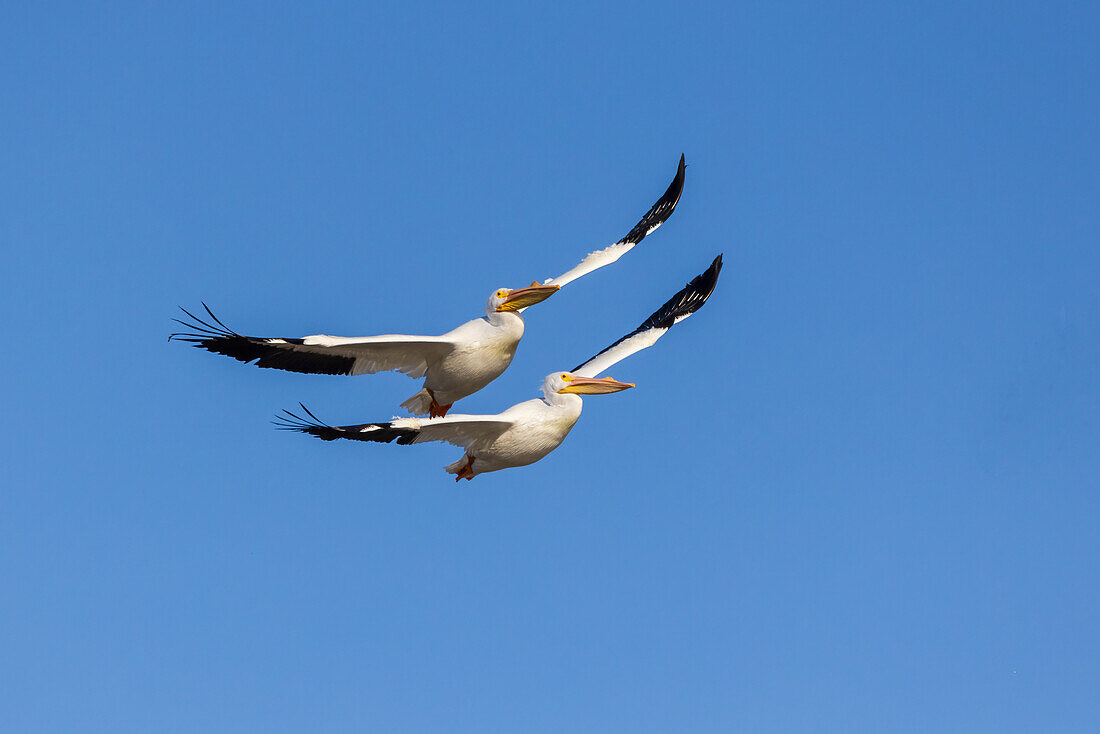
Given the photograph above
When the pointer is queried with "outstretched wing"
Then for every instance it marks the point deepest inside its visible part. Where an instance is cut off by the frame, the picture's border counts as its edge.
(459, 430)
(678, 308)
(319, 354)
(653, 219)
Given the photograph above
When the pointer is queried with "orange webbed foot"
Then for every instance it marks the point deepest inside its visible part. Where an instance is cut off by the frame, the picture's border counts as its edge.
(467, 472)
(436, 410)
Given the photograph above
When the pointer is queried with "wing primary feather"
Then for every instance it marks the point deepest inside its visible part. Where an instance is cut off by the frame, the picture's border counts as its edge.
(209, 326)
(216, 319)
(379, 433)
(207, 331)
(193, 316)
(686, 302)
(659, 213)
(193, 327)
(221, 339)
(311, 415)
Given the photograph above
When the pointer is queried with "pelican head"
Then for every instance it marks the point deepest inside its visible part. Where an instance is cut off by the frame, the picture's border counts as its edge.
(566, 383)
(507, 299)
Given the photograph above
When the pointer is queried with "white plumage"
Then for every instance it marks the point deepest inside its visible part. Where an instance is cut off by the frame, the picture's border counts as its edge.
(657, 215)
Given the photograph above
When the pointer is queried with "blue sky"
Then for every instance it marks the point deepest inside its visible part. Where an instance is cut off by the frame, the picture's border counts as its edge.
(857, 492)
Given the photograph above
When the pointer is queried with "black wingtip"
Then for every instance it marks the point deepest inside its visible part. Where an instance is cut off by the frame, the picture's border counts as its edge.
(290, 421)
(199, 330)
(702, 285)
(211, 333)
(380, 432)
(659, 213)
(677, 186)
(711, 274)
(686, 302)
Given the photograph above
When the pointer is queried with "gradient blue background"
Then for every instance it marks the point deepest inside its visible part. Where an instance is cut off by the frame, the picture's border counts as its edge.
(857, 492)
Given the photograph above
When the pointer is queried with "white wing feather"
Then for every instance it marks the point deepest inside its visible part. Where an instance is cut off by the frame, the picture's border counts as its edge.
(594, 261)
(654, 218)
(618, 352)
(686, 302)
(410, 355)
(465, 431)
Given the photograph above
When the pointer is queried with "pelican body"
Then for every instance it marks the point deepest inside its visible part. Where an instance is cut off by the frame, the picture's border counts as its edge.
(483, 349)
(454, 365)
(537, 427)
(519, 436)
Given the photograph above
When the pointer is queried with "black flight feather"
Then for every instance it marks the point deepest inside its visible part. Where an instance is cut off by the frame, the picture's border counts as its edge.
(382, 433)
(221, 339)
(662, 210)
(681, 305)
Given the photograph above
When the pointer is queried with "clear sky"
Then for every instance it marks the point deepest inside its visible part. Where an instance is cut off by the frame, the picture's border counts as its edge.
(858, 492)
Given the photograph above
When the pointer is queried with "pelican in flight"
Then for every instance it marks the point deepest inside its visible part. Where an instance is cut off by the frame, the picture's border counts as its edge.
(454, 365)
(530, 430)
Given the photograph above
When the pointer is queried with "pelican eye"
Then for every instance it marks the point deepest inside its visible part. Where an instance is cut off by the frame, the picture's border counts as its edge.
(566, 377)
(502, 294)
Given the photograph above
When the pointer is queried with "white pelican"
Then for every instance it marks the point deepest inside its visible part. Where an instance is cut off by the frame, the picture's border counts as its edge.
(530, 430)
(454, 365)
